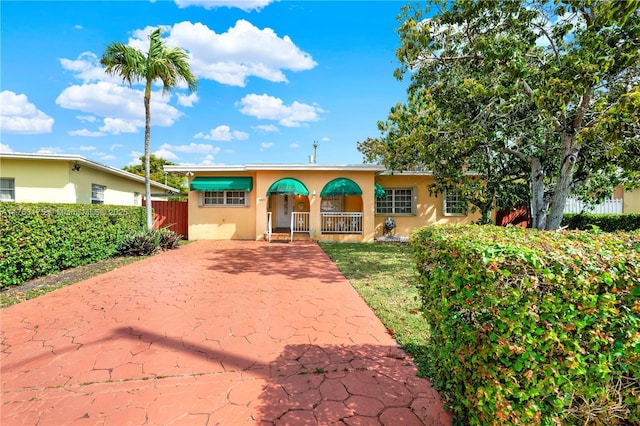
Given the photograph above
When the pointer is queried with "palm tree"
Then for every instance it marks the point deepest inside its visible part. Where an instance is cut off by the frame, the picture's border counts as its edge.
(169, 64)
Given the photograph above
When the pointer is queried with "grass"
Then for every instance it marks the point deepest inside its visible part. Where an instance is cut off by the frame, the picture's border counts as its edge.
(37, 287)
(384, 276)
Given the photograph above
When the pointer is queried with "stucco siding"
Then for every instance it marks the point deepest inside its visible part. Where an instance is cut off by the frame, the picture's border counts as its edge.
(39, 181)
(429, 210)
(631, 201)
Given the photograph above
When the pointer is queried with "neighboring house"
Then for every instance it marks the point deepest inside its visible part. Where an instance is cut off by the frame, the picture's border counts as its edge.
(622, 201)
(317, 201)
(73, 179)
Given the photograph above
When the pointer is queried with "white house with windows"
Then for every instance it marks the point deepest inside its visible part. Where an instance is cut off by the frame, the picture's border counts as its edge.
(312, 201)
(51, 178)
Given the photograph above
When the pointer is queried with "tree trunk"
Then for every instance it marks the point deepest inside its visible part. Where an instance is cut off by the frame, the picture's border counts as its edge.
(538, 204)
(563, 184)
(147, 149)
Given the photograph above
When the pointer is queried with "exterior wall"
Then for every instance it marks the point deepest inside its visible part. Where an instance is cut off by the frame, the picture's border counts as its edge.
(53, 181)
(631, 201)
(39, 181)
(315, 180)
(223, 222)
(429, 209)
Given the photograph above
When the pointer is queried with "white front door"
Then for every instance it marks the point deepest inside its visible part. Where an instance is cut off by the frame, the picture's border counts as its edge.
(284, 205)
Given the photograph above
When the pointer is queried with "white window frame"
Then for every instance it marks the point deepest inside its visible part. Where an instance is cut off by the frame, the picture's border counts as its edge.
(396, 198)
(226, 197)
(451, 202)
(7, 186)
(96, 190)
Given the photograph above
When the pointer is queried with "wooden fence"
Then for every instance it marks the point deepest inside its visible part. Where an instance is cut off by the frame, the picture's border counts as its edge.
(172, 215)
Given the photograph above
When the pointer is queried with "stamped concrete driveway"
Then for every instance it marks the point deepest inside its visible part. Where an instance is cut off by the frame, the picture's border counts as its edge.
(214, 333)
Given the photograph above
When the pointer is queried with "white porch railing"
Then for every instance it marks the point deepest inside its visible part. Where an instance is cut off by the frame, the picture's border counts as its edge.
(299, 222)
(269, 228)
(609, 206)
(341, 223)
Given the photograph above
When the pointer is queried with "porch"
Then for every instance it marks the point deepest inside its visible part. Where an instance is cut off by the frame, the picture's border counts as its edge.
(330, 223)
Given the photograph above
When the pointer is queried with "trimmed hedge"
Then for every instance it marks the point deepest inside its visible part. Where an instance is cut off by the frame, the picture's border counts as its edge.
(606, 222)
(533, 327)
(39, 239)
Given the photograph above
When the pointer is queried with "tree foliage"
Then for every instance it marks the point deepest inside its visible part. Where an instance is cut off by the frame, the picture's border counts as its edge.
(540, 98)
(168, 64)
(157, 173)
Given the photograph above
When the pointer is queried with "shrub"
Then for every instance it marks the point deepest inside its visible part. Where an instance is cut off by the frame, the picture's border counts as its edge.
(144, 243)
(606, 222)
(533, 327)
(39, 239)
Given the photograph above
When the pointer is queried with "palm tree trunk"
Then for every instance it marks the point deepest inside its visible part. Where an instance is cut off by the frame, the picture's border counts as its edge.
(147, 149)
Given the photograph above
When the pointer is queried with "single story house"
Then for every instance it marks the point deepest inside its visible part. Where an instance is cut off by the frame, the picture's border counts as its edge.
(74, 179)
(317, 201)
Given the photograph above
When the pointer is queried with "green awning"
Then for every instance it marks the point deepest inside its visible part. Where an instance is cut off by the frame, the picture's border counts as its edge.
(289, 186)
(210, 183)
(341, 186)
(379, 191)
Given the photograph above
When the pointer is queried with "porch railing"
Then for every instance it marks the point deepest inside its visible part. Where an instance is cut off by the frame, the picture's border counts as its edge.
(341, 223)
(299, 222)
(269, 228)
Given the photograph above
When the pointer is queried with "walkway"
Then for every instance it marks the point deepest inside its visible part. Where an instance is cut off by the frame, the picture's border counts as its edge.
(214, 333)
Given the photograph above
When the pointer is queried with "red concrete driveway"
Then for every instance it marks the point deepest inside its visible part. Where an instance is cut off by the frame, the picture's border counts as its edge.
(214, 333)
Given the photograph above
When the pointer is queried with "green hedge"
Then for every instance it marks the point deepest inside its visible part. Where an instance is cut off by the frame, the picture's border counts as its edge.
(533, 327)
(39, 239)
(606, 222)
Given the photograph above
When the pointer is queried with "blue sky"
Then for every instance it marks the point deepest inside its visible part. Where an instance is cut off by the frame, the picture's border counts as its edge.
(273, 78)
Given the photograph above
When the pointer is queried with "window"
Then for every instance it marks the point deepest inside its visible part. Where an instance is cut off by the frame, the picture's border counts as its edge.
(454, 205)
(396, 201)
(331, 203)
(137, 199)
(7, 189)
(223, 198)
(97, 194)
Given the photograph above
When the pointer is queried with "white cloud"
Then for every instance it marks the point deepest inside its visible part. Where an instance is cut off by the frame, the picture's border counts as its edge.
(208, 160)
(107, 157)
(241, 52)
(78, 27)
(18, 115)
(87, 118)
(86, 133)
(49, 150)
(116, 126)
(266, 128)
(87, 68)
(121, 106)
(222, 133)
(246, 5)
(271, 108)
(87, 148)
(325, 139)
(266, 145)
(294, 145)
(187, 100)
(166, 154)
(193, 148)
(5, 148)
(116, 145)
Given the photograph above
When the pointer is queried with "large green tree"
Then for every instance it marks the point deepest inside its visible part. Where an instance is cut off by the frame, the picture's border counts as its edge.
(540, 90)
(157, 173)
(168, 64)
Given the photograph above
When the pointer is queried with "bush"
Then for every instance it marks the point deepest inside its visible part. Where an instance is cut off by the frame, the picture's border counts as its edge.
(144, 243)
(606, 222)
(533, 327)
(39, 239)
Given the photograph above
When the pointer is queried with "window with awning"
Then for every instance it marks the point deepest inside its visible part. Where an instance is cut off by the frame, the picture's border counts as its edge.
(222, 183)
(288, 186)
(340, 186)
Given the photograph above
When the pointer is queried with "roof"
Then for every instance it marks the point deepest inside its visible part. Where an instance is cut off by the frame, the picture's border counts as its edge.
(187, 168)
(85, 162)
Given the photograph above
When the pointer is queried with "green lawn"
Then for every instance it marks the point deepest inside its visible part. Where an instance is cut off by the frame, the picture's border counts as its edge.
(384, 276)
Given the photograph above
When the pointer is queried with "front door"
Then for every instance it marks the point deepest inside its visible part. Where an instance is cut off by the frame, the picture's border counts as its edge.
(284, 204)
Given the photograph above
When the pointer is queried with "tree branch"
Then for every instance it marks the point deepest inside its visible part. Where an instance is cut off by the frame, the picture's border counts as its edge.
(517, 154)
